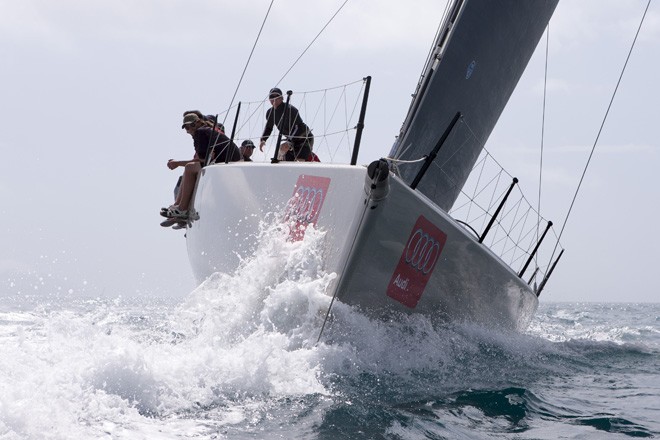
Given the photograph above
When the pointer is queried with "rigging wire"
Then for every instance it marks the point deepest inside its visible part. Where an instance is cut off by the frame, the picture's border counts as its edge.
(310, 44)
(490, 157)
(593, 148)
(545, 90)
(260, 103)
(263, 23)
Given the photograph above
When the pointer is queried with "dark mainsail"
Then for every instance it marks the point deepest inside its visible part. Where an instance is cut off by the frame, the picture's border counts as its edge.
(479, 55)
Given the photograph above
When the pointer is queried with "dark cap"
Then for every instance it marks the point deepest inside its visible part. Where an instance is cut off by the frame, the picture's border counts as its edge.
(189, 119)
(274, 93)
(247, 143)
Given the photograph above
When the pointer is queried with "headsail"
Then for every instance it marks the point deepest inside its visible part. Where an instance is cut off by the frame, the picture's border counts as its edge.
(479, 55)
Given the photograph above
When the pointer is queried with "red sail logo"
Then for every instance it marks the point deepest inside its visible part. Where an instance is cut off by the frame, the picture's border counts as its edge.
(305, 205)
(417, 262)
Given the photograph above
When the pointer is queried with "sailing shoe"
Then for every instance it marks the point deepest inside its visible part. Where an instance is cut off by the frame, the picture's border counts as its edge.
(169, 222)
(175, 212)
(163, 211)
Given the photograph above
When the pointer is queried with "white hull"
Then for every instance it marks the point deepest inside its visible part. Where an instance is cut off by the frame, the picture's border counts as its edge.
(396, 254)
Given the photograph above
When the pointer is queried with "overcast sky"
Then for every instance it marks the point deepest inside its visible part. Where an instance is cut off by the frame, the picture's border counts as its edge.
(92, 93)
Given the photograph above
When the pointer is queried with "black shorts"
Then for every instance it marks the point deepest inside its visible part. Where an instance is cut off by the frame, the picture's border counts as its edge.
(302, 148)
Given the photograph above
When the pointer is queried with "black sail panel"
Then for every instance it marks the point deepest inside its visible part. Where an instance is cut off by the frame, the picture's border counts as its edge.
(483, 50)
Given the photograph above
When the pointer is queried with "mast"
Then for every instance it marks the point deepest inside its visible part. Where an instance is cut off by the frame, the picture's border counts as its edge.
(479, 55)
(432, 62)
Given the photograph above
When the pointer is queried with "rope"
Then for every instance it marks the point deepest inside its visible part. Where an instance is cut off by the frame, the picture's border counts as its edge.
(518, 222)
(593, 148)
(310, 44)
(247, 63)
(342, 86)
(308, 92)
(355, 237)
(545, 89)
(248, 116)
(491, 157)
(263, 23)
(393, 160)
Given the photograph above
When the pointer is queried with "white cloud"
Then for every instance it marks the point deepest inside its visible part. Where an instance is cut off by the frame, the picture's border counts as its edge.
(577, 23)
(650, 32)
(553, 85)
(27, 22)
(392, 24)
(605, 149)
(359, 24)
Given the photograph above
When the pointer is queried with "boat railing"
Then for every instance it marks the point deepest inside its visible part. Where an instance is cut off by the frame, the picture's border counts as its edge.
(335, 116)
(493, 207)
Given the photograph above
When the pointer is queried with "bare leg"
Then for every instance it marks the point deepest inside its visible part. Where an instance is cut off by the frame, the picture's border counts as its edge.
(178, 195)
(284, 148)
(188, 185)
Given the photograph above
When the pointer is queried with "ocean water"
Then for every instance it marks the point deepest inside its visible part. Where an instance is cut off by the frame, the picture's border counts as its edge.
(238, 358)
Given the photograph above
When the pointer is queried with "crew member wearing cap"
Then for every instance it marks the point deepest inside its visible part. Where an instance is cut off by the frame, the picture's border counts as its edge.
(299, 137)
(247, 148)
(211, 120)
(207, 142)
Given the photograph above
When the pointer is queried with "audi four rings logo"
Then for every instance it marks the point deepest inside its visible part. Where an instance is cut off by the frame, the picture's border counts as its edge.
(422, 251)
(306, 204)
(417, 262)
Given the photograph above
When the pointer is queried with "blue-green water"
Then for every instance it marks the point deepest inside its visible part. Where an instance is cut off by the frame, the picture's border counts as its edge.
(248, 368)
